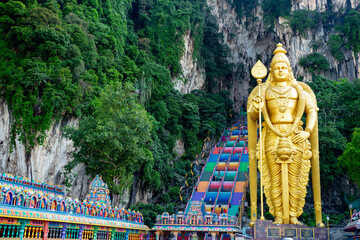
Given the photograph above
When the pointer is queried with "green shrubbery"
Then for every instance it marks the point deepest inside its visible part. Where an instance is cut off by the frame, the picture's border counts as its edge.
(351, 30)
(336, 43)
(214, 54)
(308, 218)
(303, 20)
(349, 35)
(338, 117)
(244, 7)
(314, 62)
(350, 157)
(150, 211)
(274, 9)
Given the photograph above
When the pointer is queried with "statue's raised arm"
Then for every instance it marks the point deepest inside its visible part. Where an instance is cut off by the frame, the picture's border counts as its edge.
(288, 147)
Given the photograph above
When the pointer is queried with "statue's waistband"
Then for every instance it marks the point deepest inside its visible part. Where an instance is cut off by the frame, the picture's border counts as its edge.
(283, 127)
(277, 124)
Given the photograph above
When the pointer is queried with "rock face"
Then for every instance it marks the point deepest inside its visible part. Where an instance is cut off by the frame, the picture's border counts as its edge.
(249, 43)
(179, 148)
(45, 162)
(321, 5)
(192, 77)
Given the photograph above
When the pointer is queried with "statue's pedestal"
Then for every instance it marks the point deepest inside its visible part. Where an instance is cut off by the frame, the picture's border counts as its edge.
(266, 230)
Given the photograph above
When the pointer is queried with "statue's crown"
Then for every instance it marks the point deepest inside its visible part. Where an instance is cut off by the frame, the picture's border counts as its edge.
(279, 56)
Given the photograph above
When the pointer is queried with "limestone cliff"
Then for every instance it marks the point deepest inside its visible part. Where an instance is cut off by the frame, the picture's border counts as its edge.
(248, 43)
(191, 77)
(321, 5)
(45, 162)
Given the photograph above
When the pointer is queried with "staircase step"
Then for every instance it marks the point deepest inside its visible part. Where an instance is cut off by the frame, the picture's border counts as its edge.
(202, 186)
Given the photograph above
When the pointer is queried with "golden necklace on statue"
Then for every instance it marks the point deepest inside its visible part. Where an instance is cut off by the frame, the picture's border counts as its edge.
(282, 103)
(281, 100)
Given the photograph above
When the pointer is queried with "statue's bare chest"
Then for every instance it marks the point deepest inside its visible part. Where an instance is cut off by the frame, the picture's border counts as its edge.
(281, 103)
(281, 92)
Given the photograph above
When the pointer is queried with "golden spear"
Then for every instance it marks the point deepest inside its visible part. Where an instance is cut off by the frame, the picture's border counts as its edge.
(259, 71)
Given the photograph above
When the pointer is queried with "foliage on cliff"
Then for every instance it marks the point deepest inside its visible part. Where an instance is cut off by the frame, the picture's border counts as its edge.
(314, 62)
(274, 9)
(244, 7)
(115, 137)
(344, 23)
(350, 157)
(214, 54)
(111, 64)
(348, 35)
(338, 118)
(303, 20)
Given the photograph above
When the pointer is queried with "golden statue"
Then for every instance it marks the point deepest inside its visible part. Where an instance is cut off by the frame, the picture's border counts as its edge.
(285, 150)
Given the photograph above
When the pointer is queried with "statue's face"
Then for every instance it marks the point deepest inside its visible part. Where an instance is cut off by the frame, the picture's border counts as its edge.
(281, 72)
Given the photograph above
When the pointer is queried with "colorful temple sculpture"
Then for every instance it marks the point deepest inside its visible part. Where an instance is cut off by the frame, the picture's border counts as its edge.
(216, 205)
(353, 227)
(35, 210)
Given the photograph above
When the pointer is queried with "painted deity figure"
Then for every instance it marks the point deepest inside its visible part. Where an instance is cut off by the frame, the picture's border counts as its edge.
(8, 198)
(53, 206)
(287, 147)
(62, 207)
(43, 204)
(32, 203)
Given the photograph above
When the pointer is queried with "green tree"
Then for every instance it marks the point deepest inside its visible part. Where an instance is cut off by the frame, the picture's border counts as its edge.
(245, 7)
(274, 9)
(351, 157)
(350, 95)
(335, 43)
(214, 55)
(338, 118)
(314, 62)
(331, 127)
(60, 58)
(351, 30)
(150, 211)
(303, 20)
(114, 141)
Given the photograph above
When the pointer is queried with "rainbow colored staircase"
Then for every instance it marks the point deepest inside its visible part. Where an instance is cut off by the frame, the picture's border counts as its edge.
(217, 201)
(220, 187)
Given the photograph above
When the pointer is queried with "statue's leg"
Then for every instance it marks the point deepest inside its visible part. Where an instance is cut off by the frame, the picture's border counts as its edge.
(298, 180)
(273, 190)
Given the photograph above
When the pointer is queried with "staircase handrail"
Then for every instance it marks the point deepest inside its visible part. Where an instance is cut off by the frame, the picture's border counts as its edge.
(237, 171)
(202, 172)
(197, 183)
(221, 183)
(215, 202)
(226, 169)
(217, 163)
(223, 178)
(241, 210)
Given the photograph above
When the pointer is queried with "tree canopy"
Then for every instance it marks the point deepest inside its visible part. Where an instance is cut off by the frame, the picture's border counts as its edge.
(68, 58)
(338, 117)
(114, 140)
(351, 157)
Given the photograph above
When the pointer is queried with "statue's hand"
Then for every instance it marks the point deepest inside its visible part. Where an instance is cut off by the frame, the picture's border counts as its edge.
(300, 136)
(256, 103)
